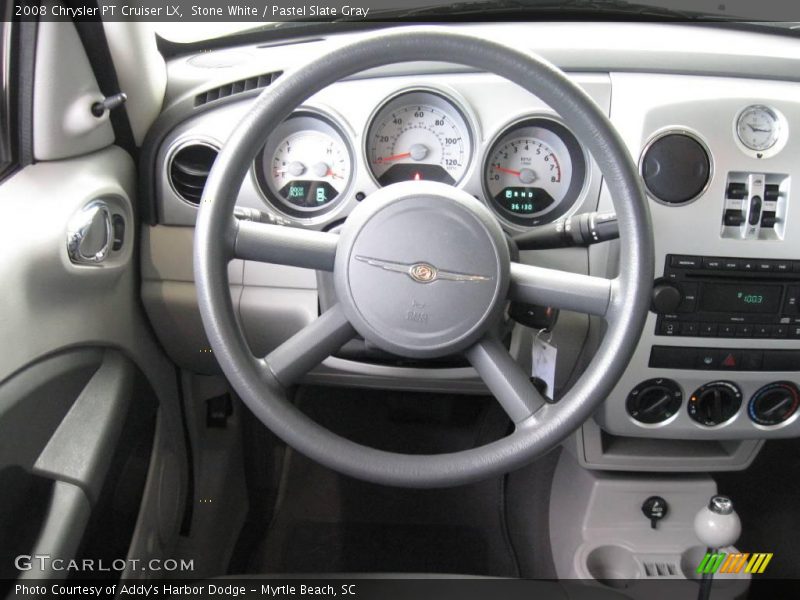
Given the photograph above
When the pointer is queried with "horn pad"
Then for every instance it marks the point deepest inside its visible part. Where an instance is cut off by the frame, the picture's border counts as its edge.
(422, 269)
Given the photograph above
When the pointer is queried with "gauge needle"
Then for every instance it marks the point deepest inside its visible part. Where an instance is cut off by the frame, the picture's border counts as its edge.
(509, 171)
(393, 157)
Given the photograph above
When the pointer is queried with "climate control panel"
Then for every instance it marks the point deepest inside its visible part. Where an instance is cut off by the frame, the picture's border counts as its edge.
(714, 404)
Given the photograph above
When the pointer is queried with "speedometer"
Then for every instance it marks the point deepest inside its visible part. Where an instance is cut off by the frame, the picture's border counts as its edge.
(419, 135)
(534, 171)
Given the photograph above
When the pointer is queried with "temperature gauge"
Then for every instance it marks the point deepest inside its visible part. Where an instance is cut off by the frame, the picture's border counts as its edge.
(305, 166)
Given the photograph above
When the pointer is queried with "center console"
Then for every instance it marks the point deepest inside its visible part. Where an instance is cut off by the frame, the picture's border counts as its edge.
(734, 384)
(717, 368)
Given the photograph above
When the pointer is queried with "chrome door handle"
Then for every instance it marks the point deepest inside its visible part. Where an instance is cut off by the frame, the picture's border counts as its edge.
(90, 234)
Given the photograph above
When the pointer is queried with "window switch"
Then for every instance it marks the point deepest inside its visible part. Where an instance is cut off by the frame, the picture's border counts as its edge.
(733, 218)
(768, 219)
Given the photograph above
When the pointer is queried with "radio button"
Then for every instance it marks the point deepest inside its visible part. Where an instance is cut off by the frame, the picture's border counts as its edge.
(685, 262)
(712, 263)
(762, 331)
(794, 331)
(765, 266)
(744, 331)
(783, 266)
(747, 265)
(689, 302)
(727, 330)
(708, 329)
(690, 328)
(779, 331)
(732, 264)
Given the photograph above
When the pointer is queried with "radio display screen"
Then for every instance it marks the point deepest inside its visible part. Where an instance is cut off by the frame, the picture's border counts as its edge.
(735, 298)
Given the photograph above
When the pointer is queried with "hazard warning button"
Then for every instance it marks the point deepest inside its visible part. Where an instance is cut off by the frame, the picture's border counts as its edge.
(729, 359)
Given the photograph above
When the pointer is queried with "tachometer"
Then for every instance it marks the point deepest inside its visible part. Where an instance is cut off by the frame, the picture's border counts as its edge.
(305, 166)
(419, 135)
(534, 171)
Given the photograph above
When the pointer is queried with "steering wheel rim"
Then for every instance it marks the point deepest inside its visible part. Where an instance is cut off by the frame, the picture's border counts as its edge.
(261, 382)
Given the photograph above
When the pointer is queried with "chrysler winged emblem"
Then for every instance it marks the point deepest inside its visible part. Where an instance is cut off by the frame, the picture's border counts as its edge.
(420, 272)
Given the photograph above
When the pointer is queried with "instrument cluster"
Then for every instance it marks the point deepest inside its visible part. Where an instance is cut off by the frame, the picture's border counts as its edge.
(532, 171)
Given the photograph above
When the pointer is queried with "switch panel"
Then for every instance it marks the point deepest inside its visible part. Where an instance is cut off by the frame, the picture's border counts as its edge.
(755, 206)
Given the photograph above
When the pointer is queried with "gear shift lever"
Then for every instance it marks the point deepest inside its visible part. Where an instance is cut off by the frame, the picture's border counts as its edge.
(716, 525)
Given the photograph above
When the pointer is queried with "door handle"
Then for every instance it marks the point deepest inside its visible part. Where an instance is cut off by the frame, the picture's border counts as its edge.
(90, 234)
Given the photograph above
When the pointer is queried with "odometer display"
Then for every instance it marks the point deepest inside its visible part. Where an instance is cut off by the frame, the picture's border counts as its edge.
(418, 135)
(534, 171)
(524, 200)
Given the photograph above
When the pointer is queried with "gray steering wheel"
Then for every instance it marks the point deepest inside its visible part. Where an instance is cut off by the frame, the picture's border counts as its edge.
(427, 248)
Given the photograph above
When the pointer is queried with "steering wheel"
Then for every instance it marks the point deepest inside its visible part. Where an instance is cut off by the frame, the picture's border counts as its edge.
(421, 270)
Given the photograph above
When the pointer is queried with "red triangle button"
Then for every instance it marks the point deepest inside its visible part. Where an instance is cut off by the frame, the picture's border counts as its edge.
(729, 361)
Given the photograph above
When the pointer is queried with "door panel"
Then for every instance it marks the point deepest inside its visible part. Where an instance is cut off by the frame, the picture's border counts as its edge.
(90, 422)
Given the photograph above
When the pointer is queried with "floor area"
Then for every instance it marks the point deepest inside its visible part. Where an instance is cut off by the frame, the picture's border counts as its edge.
(326, 522)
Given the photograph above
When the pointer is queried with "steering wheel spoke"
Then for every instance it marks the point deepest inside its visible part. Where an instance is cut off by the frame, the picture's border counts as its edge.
(309, 346)
(561, 289)
(505, 379)
(281, 245)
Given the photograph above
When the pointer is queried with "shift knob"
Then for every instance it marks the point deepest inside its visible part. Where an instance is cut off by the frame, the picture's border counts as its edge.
(717, 525)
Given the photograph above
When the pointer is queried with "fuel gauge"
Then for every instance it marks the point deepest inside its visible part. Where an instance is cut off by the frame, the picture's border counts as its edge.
(306, 165)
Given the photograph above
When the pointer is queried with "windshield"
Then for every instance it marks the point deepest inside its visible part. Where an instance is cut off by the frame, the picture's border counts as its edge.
(216, 19)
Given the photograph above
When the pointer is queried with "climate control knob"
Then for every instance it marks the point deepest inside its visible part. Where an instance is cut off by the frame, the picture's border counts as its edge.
(774, 403)
(667, 297)
(654, 401)
(715, 403)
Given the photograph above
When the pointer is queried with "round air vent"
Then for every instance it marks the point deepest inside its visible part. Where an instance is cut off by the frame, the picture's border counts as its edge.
(189, 168)
(676, 168)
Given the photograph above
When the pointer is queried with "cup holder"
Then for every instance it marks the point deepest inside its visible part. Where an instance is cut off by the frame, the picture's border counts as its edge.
(612, 565)
(690, 559)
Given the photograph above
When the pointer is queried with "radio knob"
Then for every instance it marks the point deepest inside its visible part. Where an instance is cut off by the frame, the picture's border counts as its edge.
(667, 297)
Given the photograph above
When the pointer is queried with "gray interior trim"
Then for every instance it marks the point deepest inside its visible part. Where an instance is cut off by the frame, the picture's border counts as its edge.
(81, 448)
(67, 517)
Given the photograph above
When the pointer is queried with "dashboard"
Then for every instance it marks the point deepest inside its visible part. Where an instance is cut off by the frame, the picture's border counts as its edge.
(517, 156)
(713, 127)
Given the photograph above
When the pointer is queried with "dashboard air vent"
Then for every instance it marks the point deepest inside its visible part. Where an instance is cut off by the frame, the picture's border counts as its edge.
(236, 87)
(676, 167)
(189, 168)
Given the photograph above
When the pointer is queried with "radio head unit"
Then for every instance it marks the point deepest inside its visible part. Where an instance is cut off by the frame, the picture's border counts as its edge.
(703, 296)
